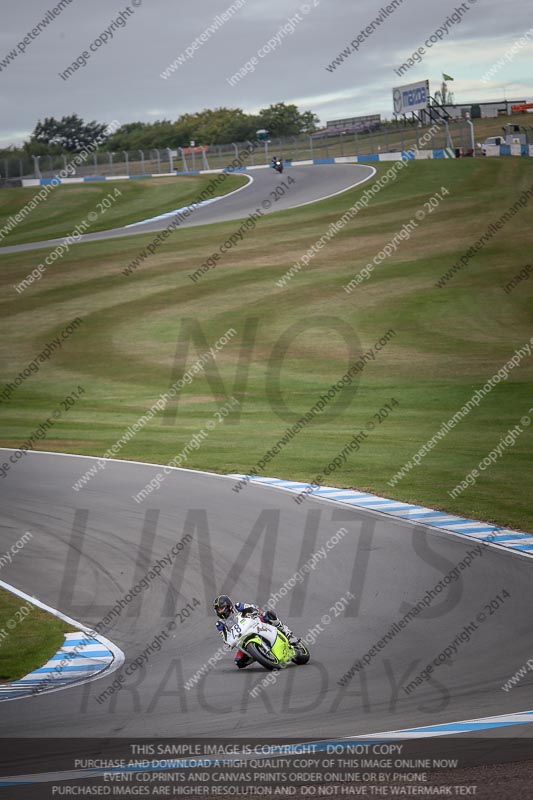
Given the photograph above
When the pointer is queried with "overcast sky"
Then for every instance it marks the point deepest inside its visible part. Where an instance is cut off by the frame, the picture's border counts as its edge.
(122, 79)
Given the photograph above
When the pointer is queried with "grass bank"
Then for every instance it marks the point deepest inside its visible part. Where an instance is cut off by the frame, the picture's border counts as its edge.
(293, 343)
(29, 636)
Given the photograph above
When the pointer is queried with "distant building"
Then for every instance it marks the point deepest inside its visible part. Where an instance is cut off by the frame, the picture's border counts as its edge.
(363, 124)
(369, 119)
(479, 110)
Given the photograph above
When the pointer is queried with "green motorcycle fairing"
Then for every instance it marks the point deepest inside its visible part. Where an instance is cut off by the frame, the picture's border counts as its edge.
(282, 650)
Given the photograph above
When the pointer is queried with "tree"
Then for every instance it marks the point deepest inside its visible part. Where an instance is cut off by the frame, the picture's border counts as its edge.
(216, 126)
(285, 120)
(310, 121)
(143, 136)
(69, 133)
(123, 138)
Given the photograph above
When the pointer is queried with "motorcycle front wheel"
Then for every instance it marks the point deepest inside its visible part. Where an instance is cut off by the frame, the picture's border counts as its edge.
(262, 656)
(302, 654)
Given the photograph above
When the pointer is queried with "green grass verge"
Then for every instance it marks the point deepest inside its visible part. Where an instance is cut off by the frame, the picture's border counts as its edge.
(448, 342)
(29, 636)
(67, 205)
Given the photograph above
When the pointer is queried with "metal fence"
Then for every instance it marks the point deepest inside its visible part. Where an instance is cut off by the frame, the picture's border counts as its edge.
(165, 160)
(12, 170)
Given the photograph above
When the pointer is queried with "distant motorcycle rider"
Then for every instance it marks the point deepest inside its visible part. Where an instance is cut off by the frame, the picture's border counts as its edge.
(225, 610)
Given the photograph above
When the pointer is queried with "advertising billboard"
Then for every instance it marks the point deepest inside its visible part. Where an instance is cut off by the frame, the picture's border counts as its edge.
(411, 97)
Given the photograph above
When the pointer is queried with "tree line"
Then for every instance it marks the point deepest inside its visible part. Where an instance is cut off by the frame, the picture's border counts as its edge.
(71, 133)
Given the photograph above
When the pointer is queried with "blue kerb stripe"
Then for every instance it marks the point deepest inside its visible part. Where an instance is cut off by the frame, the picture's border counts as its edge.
(440, 153)
(509, 537)
(422, 514)
(50, 181)
(332, 489)
(69, 668)
(39, 687)
(329, 489)
(408, 155)
(369, 157)
(463, 727)
(80, 654)
(352, 497)
(372, 500)
(292, 485)
(482, 529)
(323, 161)
(353, 501)
(475, 530)
(95, 178)
(274, 480)
(399, 503)
(143, 175)
(81, 640)
(79, 645)
(463, 529)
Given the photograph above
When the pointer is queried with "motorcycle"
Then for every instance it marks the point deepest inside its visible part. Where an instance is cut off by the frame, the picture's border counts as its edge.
(278, 165)
(265, 643)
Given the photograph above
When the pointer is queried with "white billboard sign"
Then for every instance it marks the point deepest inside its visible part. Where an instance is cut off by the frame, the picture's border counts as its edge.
(411, 97)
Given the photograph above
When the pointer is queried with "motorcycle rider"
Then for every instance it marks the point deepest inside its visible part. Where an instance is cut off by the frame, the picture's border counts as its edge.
(225, 609)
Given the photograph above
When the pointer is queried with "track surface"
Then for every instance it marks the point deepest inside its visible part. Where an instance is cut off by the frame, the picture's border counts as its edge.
(249, 544)
(333, 179)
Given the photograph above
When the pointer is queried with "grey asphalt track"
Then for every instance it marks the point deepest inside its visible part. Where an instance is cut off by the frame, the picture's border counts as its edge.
(89, 548)
(311, 183)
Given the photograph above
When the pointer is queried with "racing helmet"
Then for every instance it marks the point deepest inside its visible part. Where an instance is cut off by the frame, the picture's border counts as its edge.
(223, 606)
